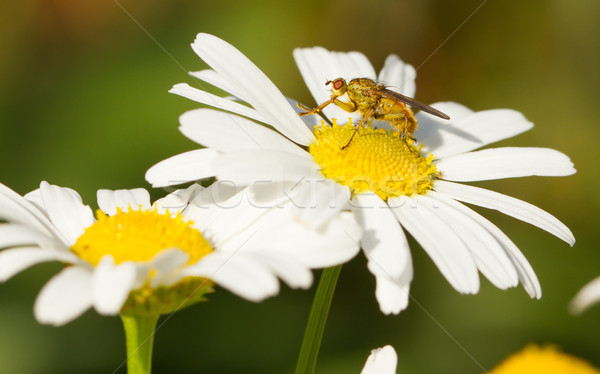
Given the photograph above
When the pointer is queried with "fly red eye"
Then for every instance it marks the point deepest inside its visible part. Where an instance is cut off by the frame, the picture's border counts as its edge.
(338, 83)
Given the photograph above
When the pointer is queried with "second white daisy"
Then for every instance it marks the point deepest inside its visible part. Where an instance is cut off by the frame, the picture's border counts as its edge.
(138, 258)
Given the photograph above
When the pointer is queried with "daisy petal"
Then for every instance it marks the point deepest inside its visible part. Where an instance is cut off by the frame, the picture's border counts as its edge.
(13, 261)
(253, 85)
(318, 65)
(489, 256)
(111, 284)
(392, 294)
(455, 264)
(185, 90)
(15, 208)
(318, 201)
(184, 167)
(247, 167)
(288, 269)
(178, 200)
(240, 274)
(66, 211)
(381, 361)
(220, 221)
(586, 297)
(398, 76)
(65, 297)
(109, 201)
(386, 249)
(166, 265)
(508, 205)
(331, 245)
(227, 132)
(466, 130)
(524, 270)
(507, 162)
(12, 235)
(212, 77)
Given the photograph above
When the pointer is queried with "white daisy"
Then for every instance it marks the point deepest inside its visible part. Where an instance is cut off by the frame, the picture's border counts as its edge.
(381, 361)
(142, 258)
(385, 181)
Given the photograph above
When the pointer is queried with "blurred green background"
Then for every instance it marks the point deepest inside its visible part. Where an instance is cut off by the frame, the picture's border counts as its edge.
(84, 104)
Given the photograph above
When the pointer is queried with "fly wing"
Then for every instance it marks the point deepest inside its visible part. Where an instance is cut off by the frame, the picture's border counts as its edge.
(407, 100)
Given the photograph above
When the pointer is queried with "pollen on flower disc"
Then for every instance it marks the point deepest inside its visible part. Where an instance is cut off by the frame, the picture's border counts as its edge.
(138, 235)
(375, 160)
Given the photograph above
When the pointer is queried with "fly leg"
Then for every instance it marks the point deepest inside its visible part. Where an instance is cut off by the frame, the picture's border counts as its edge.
(367, 115)
(315, 110)
(348, 107)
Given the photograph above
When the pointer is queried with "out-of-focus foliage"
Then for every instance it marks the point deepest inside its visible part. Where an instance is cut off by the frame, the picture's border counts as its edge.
(84, 103)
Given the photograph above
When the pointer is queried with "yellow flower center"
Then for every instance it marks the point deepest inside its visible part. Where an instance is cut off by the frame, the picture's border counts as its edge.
(139, 236)
(543, 360)
(375, 160)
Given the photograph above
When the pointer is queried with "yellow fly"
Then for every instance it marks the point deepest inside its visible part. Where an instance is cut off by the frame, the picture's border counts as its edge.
(374, 100)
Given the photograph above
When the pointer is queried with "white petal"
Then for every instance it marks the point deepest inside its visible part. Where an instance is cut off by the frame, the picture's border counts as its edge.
(185, 90)
(66, 211)
(240, 274)
(13, 261)
(12, 235)
(392, 294)
(318, 65)
(291, 271)
(178, 200)
(263, 166)
(168, 264)
(217, 193)
(182, 168)
(508, 205)
(508, 162)
(212, 77)
(333, 244)
(586, 297)
(381, 361)
(222, 220)
(465, 132)
(318, 201)
(387, 251)
(253, 85)
(111, 284)
(65, 297)
(227, 132)
(440, 241)
(109, 200)
(524, 270)
(15, 208)
(398, 76)
(278, 230)
(487, 252)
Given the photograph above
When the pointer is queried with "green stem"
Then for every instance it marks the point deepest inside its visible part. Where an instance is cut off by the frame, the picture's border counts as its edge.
(307, 360)
(139, 335)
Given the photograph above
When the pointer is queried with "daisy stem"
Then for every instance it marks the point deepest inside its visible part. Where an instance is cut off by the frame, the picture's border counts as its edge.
(139, 335)
(307, 360)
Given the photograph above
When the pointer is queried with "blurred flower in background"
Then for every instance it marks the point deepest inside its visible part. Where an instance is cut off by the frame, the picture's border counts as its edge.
(381, 361)
(588, 296)
(543, 360)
